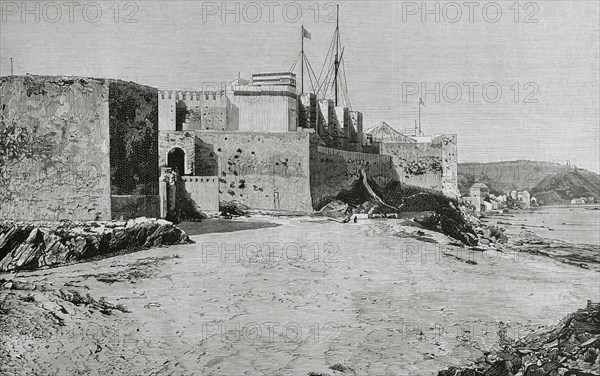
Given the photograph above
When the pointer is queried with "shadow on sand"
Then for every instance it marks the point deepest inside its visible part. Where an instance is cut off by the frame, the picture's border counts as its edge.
(211, 226)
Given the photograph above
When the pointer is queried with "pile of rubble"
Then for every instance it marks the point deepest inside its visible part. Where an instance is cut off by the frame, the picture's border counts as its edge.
(570, 348)
(230, 209)
(434, 211)
(48, 244)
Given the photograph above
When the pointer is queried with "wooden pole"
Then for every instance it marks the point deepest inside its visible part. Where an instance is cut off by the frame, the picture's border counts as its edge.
(302, 60)
(419, 116)
(337, 63)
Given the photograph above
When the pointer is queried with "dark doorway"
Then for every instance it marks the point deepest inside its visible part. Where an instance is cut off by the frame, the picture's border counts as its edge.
(176, 160)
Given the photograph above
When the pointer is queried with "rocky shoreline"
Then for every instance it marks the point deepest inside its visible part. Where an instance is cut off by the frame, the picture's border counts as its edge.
(27, 245)
(570, 348)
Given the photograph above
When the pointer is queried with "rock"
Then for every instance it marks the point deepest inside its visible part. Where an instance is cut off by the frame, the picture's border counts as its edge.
(334, 209)
(23, 246)
(67, 309)
(233, 208)
(51, 306)
(164, 222)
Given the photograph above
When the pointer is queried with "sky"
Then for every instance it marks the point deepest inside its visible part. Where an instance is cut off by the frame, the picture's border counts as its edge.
(514, 80)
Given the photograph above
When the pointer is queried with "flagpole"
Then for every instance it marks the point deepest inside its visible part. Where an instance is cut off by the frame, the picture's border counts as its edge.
(420, 100)
(302, 60)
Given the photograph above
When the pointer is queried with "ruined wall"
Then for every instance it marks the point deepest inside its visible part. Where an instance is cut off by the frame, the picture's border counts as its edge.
(134, 170)
(214, 112)
(192, 110)
(333, 171)
(185, 140)
(133, 128)
(261, 170)
(418, 164)
(449, 164)
(54, 154)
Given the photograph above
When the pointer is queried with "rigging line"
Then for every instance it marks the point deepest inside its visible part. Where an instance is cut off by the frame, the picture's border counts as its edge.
(315, 83)
(295, 62)
(311, 70)
(325, 83)
(322, 79)
(309, 77)
(328, 60)
(308, 66)
(329, 50)
(346, 84)
(312, 85)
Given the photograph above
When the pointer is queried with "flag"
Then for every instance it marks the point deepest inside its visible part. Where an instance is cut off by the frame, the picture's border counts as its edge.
(421, 102)
(305, 33)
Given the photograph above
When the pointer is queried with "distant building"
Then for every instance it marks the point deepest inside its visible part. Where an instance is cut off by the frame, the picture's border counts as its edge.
(513, 195)
(488, 206)
(478, 193)
(383, 132)
(274, 79)
(578, 201)
(525, 197)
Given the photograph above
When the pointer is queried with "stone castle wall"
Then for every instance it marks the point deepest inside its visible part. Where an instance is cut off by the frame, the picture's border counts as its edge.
(86, 149)
(203, 191)
(193, 110)
(78, 148)
(333, 171)
(133, 126)
(262, 170)
(449, 164)
(54, 158)
(185, 140)
(418, 164)
(431, 165)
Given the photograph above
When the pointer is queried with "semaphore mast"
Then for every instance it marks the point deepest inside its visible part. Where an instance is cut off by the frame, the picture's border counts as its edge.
(337, 51)
(332, 77)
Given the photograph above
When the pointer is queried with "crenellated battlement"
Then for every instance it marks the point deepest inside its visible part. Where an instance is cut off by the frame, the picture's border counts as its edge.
(195, 95)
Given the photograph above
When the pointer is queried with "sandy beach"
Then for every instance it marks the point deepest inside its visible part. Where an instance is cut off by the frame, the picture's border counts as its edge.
(298, 295)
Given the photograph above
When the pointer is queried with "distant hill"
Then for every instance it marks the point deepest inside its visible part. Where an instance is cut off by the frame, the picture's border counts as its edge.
(550, 183)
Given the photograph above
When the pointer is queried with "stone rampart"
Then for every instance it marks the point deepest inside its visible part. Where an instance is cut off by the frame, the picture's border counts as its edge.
(333, 171)
(54, 158)
(263, 170)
